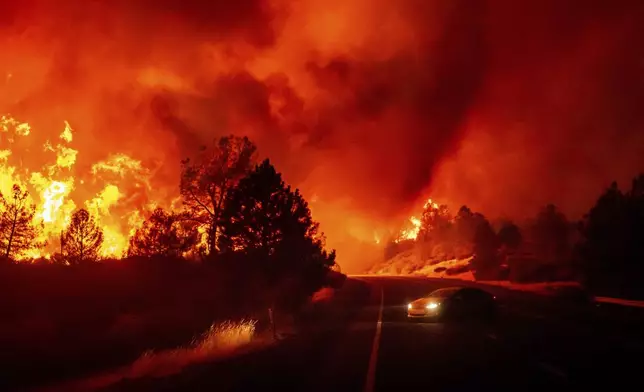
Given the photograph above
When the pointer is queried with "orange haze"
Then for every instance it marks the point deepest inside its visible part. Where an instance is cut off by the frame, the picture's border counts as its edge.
(368, 106)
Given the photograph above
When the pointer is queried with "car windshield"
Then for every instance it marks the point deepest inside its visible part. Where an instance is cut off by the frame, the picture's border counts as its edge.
(444, 293)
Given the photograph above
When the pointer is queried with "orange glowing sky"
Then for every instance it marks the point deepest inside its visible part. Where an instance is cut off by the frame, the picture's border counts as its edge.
(368, 106)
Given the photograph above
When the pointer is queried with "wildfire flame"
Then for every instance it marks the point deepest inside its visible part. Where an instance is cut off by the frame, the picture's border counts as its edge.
(53, 198)
(411, 233)
(57, 188)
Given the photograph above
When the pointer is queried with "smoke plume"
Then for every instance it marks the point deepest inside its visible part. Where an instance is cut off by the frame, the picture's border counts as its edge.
(369, 106)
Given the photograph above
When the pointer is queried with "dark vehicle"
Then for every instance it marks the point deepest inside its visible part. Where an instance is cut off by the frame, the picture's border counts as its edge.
(454, 303)
(573, 295)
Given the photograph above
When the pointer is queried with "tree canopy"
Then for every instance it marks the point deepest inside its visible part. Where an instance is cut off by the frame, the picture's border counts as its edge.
(82, 240)
(17, 232)
(435, 223)
(266, 219)
(550, 235)
(486, 263)
(206, 181)
(612, 246)
(510, 236)
(466, 224)
(164, 234)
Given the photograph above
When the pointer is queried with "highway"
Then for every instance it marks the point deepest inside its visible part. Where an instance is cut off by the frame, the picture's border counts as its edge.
(363, 342)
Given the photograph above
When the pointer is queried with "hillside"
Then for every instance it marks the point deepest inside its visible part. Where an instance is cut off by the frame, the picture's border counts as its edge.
(411, 262)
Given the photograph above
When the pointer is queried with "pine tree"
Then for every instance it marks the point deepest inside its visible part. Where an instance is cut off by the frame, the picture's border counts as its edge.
(436, 223)
(206, 181)
(271, 223)
(510, 236)
(17, 232)
(485, 264)
(611, 251)
(83, 238)
(163, 234)
(550, 235)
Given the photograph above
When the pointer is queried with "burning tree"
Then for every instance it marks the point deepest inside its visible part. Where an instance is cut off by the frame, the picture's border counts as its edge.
(435, 223)
(17, 232)
(205, 182)
(82, 240)
(164, 234)
(268, 221)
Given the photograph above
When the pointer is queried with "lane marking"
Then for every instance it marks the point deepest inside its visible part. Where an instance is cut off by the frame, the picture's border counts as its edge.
(552, 370)
(373, 359)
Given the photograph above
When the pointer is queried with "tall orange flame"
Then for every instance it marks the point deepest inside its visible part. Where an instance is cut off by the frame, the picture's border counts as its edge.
(57, 189)
(412, 232)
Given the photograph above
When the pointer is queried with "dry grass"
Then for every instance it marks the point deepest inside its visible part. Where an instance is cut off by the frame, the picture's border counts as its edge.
(412, 263)
(225, 336)
(325, 294)
(220, 339)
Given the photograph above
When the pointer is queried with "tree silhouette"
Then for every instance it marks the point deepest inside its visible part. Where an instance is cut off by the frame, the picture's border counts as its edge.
(268, 221)
(551, 235)
(486, 263)
(164, 234)
(510, 236)
(82, 240)
(435, 223)
(466, 224)
(17, 231)
(206, 181)
(463, 222)
(612, 246)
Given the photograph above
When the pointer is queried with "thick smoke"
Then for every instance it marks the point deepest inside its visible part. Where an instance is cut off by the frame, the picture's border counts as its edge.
(367, 105)
(561, 113)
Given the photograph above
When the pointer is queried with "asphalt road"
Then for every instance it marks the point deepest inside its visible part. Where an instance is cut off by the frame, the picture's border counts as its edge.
(364, 342)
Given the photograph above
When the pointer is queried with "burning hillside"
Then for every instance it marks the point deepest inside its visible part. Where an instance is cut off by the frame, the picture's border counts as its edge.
(366, 106)
(413, 227)
(114, 190)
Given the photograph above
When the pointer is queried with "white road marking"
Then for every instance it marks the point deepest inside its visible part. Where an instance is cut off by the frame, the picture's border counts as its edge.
(552, 370)
(373, 359)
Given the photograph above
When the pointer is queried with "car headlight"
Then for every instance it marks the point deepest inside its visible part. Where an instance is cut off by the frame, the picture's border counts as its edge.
(409, 306)
(432, 305)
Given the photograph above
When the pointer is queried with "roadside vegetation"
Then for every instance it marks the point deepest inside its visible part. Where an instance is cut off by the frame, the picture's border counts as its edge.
(604, 251)
(245, 242)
